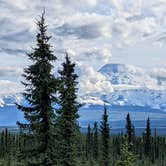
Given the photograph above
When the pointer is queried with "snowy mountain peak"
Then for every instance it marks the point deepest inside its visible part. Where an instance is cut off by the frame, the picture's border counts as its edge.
(112, 68)
(128, 75)
(131, 86)
(119, 68)
(117, 84)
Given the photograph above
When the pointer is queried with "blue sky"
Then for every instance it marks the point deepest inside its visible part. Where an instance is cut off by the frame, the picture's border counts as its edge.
(94, 32)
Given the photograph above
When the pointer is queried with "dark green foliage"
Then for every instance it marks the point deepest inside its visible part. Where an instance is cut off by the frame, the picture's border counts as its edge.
(129, 129)
(127, 158)
(95, 141)
(13, 144)
(89, 143)
(67, 115)
(147, 141)
(105, 137)
(39, 89)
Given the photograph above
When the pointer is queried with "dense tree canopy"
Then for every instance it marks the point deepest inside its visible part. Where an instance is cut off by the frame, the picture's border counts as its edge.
(40, 86)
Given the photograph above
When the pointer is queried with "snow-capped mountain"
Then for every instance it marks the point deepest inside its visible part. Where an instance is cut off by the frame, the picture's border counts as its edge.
(131, 86)
(10, 92)
(127, 75)
(140, 92)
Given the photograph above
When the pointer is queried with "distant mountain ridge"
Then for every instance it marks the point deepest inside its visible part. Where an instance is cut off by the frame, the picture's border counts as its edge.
(129, 75)
(132, 86)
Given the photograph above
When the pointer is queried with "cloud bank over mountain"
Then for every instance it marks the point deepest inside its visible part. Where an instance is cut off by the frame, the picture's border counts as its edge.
(131, 86)
(113, 84)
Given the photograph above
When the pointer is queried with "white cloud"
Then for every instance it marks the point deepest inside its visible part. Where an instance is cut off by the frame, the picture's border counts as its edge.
(158, 72)
(89, 29)
(74, 21)
(21, 4)
(92, 82)
(80, 3)
(160, 75)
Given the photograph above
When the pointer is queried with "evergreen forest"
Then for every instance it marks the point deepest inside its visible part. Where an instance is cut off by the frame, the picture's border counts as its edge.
(51, 134)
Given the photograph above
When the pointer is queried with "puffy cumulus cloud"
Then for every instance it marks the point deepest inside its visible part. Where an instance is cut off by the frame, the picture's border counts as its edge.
(85, 26)
(20, 4)
(80, 4)
(84, 31)
(81, 32)
(68, 20)
(93, 57)
(158, 8)
(92, 82)
(128, 7)
(161, 40)
(88, 29)
(158, 72)
(128, 32)
(112, 23)
(160, 75)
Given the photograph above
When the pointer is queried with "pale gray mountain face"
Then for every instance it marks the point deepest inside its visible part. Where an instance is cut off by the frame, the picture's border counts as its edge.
(134, 90)
(131, 86)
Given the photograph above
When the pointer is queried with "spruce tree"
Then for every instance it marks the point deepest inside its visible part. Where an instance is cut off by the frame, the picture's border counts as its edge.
(88, 142)
(130, 131)
(147, 144)
(127, 158)
(129, 128)
(40, 86)
(67, 115)
(105, 136)
(95, 142)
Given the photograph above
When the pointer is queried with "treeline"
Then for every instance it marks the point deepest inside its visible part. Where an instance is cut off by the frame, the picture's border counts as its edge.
(96, 147)
(50, 134)
(126, 149)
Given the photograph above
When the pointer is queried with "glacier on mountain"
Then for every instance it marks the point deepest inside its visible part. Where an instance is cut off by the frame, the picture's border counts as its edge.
(130, 86)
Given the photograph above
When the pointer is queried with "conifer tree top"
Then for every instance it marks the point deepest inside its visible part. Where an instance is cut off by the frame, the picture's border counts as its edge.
(42, 51)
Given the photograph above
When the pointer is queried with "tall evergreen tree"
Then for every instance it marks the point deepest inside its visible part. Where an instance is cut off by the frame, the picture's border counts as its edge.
(105, 136)
(127, 158)
(40, 85)
(130, 130)
(95, 142)
(88, 142)
(147, 144)
(68, 114)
